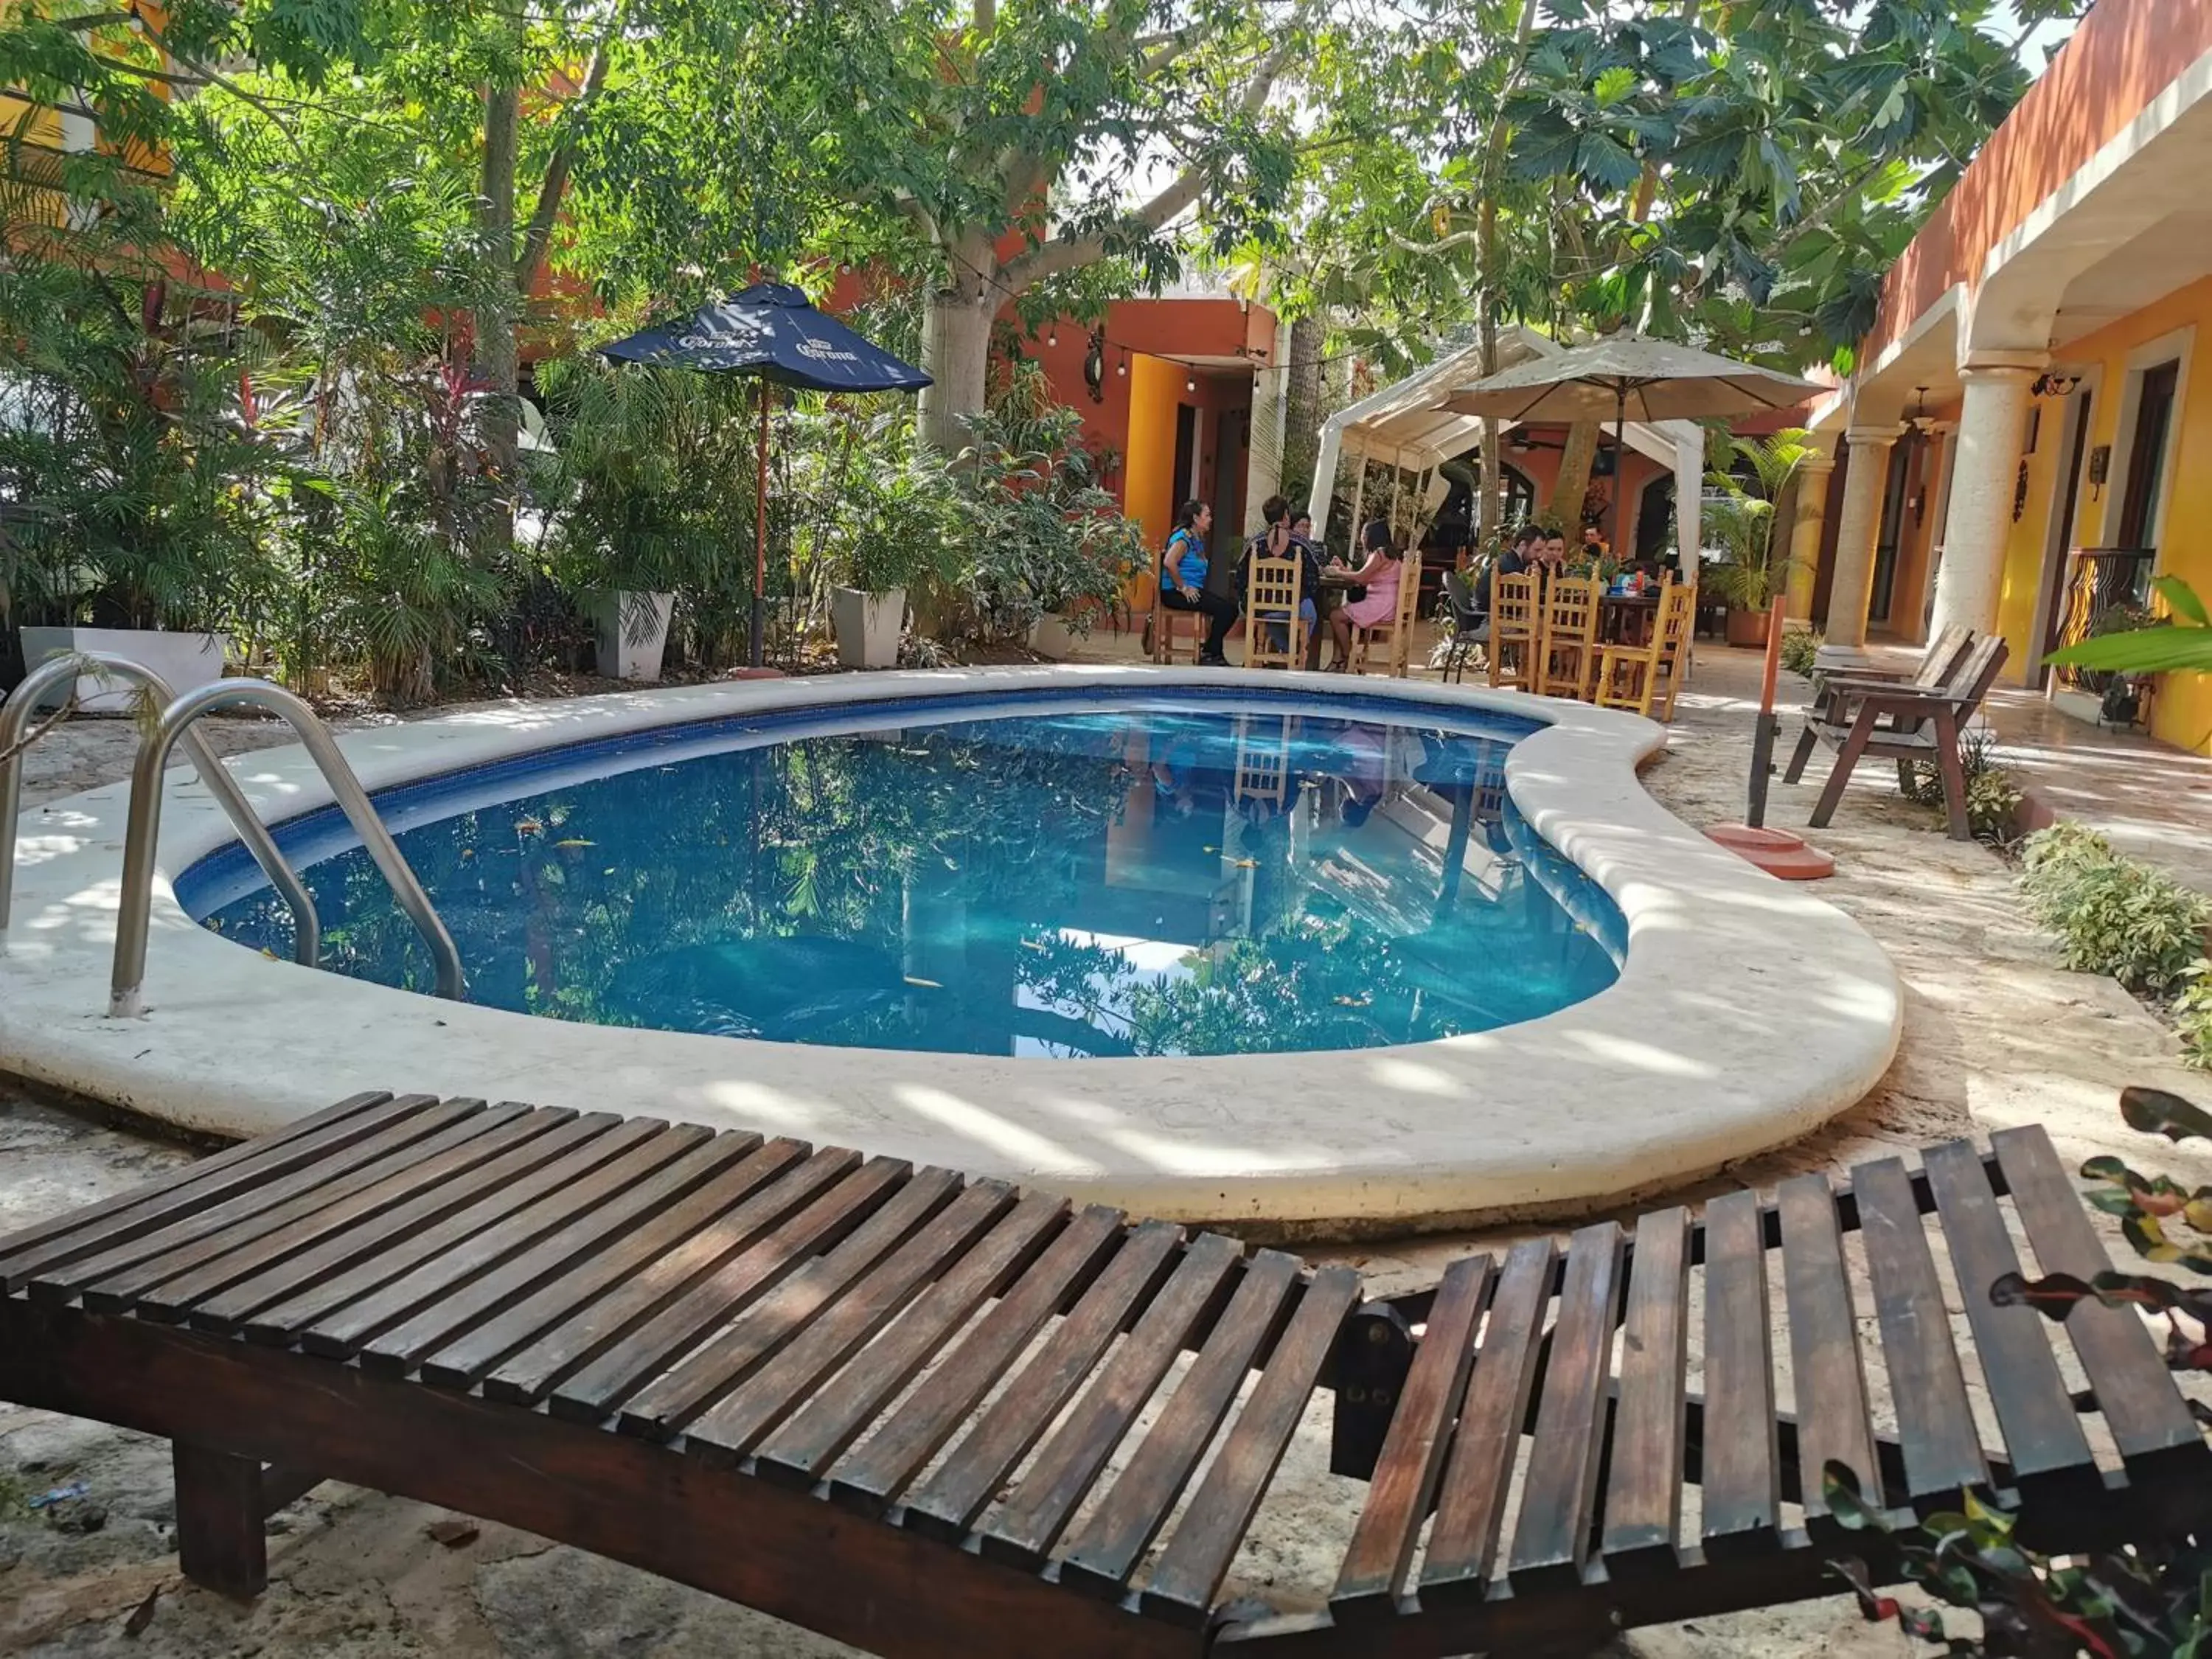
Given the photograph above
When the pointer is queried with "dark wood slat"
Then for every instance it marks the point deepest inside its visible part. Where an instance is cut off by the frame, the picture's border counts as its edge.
(584, 1217)
(549, 1139)
(1742, 1464)
(869, 1478)
(1471, 1503)
(1558, 1501)
(945, 1504)
(110, 1285)
(2042, 1435)
(411, 1272)
(1644, 1491)
(1107, 1548)
(731, 1428)
(565, 1324)
(282, 1487)
(703, 1378)
(1374, 1566)
(1190, 1572)
(497, 1130)
(836, 1207)
(409, 1118)
(2134, 1391)
(198, 1186)
(1025, 1530)
(1834, 1425)
(834, 1417)
(1942, 1448)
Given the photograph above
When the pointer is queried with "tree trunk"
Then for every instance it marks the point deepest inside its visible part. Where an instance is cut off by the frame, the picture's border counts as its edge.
(1575, 464)
(496, 318)
(955, 350)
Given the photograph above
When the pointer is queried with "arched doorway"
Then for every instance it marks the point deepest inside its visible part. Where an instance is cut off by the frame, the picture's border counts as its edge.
(1655, 516)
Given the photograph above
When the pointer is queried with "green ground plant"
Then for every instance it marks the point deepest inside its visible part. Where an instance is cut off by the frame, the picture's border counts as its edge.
(2113, 915)
(1801, 648)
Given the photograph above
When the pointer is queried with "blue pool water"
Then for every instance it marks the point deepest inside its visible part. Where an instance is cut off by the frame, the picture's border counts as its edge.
(1085, 875)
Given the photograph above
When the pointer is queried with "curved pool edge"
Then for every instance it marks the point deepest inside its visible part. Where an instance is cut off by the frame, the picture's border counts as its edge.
(1748, 1013)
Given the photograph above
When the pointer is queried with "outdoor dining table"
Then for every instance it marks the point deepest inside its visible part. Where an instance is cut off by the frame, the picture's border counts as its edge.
(1626, 618)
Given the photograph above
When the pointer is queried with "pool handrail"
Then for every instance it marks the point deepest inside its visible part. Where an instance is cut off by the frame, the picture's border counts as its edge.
(133, 915)
(16, 711)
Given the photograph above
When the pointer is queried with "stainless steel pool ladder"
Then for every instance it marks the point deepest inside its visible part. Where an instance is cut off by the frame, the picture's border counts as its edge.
(15, 715)
(125, 985)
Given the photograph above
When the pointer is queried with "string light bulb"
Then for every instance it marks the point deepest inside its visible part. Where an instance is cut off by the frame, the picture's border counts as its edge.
(1052, 338)
(1121, 368)
(1190, 383)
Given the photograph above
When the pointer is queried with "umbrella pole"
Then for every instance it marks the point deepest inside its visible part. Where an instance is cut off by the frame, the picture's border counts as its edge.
(760, 537)
(1620, 461)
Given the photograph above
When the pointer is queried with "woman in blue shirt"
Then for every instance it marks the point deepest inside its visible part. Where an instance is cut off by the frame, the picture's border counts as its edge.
(1183, 580)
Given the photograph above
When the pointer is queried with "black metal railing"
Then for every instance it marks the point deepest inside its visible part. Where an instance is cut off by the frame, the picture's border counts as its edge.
(2099, 579)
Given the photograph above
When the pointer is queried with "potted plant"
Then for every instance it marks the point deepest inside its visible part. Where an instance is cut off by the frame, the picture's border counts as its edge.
(1753, 566)
(1050, 549)
(896, 526)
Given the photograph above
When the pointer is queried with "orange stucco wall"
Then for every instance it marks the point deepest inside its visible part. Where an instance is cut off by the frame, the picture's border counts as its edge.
(2121, 57)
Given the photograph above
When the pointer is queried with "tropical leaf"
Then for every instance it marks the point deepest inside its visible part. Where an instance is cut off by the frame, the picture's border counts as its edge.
(2156, 1111)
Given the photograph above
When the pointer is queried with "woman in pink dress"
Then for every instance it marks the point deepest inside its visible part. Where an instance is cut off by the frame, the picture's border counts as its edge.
(1379, 576)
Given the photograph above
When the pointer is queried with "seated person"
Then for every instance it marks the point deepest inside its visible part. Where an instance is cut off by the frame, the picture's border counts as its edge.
(1379, 575)
(1276, 541)
(1182, 572)
(1513, 561)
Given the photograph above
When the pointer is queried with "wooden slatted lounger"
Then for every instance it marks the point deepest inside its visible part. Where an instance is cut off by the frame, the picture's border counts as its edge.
(902, 1408)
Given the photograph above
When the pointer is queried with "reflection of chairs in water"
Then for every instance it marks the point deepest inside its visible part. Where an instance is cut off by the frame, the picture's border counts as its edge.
(1263, 759)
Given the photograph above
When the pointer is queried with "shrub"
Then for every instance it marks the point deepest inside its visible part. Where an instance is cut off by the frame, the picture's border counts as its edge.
(2113, 914)
(1992, 797)
(1800, 646)
(2152, 1598)
(2192, 1016)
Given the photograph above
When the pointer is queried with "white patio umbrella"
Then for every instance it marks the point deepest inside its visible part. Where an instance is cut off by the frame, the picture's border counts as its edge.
(1653, 381)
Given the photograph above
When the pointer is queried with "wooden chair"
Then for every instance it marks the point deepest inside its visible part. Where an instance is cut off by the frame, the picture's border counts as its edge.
(1167, 629)
(1567, 665)
(1903, 724)
(1935, 665)
(1275, 633)
(884, 1403)
(1516, 631)
(1398, 632)
(1636, 676)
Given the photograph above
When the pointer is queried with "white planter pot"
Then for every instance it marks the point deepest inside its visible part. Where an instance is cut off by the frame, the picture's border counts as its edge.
(868, 626)
(1051, 637)
(185, 661)
(627, 650)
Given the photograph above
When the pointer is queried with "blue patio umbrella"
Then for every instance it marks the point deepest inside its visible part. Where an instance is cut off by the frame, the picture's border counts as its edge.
(770, 331)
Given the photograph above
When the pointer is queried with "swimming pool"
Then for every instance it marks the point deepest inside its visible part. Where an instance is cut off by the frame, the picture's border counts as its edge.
(1741, 1013)
(1171, 875)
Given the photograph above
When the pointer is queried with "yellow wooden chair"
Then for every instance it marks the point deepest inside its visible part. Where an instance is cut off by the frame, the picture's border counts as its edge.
(1567, 663)
(1166, 628)
(1398, 632)
(1636, 675)
(1516, 631)
(1275, 633)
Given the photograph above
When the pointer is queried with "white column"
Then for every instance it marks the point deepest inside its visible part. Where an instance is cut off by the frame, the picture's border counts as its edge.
(1852, 590)
(1811, 512)
(1325, 471)
(1991, 421)
(1689, 497)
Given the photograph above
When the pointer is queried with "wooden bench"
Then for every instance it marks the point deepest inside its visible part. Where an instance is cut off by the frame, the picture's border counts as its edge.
(1905, 722)
(934, 1416)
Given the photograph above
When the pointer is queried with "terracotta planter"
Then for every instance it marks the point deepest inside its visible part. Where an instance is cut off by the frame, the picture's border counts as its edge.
(185, 661)
(1747, 627)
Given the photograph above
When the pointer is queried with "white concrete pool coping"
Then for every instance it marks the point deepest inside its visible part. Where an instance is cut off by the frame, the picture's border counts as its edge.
(1748, 1011)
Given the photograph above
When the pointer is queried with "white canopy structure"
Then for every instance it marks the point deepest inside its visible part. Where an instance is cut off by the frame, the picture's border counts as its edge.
(1407, 425)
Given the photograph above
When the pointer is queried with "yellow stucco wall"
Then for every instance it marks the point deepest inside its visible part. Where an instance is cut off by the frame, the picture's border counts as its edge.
(1148, 468)
(2183, 711)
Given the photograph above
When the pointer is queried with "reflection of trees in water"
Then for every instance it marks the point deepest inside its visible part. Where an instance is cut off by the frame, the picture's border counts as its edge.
(810, 890)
